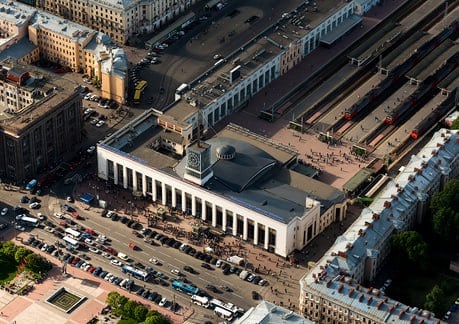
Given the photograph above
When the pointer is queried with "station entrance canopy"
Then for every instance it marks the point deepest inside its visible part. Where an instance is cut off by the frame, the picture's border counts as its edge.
(330, 38)
(87, 198)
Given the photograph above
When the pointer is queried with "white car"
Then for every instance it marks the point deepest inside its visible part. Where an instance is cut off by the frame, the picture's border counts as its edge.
(44, 247)
(109, 276)
(87, 266)
(34, 205)
(89, 241)
(88, 96)
(100, 123)
(154, 261)
(219, 263)
(91, 149)
(41, 216)
(163, 302)
(94, 250)
(20, 228)
(107, 255)
(217, 56)
(49, 229)
(116, 263)
(59, 215)
(176, 272)
(4, 211)
(110, 214)
(101, 238)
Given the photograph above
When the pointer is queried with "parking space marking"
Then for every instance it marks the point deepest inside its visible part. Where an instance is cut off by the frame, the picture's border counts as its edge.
(229, 283)
(238, 295)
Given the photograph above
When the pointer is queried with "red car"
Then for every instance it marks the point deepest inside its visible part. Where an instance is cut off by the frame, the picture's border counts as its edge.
(91, 269)
(111, 250)
(90, 231)
(75, 261)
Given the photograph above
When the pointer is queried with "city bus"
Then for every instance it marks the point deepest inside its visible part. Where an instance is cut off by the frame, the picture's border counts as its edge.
(137, 96)
(136, 273)
(29, 221)
(233, 309)
(72, 233)
(71, 242)
(141, 85)
(183, 287)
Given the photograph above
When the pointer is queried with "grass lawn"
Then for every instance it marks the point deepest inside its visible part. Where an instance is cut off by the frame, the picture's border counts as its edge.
(7, 271)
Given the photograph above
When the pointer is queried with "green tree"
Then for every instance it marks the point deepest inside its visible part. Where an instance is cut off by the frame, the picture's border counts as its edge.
(128, 308)
(21, 253)
(112, 299)
(455, 124)
(409, 248)
(445, 213)
(37, 264)
(155, 319)
(140, 313)
(435, 300)
(9, 249)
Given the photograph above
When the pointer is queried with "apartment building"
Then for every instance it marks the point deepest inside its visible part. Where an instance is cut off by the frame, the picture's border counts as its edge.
(40, 35)
(40, 120)
(119, 19)
(332, 291)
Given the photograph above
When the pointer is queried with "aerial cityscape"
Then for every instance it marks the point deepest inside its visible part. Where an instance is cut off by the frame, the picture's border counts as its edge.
(229, 161)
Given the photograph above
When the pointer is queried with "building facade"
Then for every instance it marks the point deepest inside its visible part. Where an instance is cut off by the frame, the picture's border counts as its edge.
(214, 184)
(118, 19)
(332, 291)
(35, 35)
(41, 121)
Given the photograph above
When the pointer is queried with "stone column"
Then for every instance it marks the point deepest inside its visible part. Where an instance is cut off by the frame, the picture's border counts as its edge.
(193, 205)
(214, 215)
(154, 192)
(224, 219)
(234, 224)
(266, 237)
(246, 227)
(255, 233)
(174, 198)
(124, 177)
(115, 173)
(144, 185)
(183, 201)
(163, 193)
(204, 211)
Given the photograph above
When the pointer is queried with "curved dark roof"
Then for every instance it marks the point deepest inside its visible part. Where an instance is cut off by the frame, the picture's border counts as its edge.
(248, 165)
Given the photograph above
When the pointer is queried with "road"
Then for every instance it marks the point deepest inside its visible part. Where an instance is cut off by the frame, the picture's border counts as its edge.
(121, 235)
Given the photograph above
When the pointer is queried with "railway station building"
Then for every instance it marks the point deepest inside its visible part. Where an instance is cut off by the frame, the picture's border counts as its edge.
(334, 289)
(233, 80)
(237, 182)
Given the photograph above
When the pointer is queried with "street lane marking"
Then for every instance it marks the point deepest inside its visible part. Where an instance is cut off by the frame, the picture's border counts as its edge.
(179, 260)
(238, 295)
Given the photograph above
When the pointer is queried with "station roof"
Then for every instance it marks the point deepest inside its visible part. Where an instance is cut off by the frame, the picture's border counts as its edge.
(440, 61)
(451, 82)
(376, 39)
(341, 30)
(360, 177)
(430, 62)
(403, 51)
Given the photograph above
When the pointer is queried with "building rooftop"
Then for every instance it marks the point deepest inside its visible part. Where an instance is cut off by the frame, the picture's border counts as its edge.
(15, 12)
(269, 313)
(18, 50)
(368, 234)
(68, 29)
(49, 91)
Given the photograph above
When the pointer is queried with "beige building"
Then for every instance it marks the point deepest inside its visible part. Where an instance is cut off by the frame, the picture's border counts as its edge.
(73, 46)
(332, 291)
(40, 120)
(118, 19)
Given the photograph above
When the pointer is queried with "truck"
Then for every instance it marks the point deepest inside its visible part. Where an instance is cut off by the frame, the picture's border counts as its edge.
(236, 260)
(243, 274)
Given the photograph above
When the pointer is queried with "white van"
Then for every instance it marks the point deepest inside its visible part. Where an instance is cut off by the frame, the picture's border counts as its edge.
(123, 256)
(243, 274)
